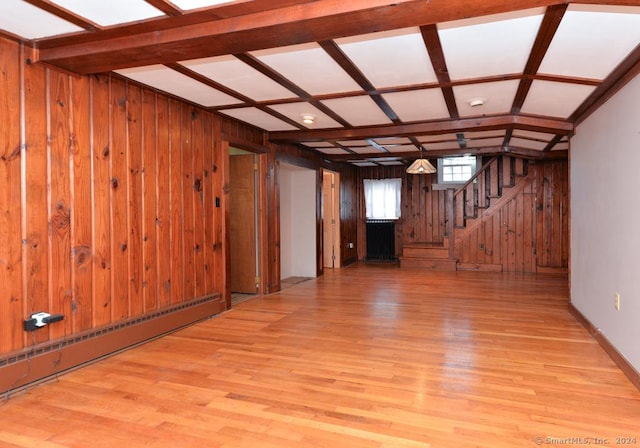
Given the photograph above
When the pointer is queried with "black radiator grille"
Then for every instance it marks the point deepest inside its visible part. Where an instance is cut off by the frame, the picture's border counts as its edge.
(381, 237)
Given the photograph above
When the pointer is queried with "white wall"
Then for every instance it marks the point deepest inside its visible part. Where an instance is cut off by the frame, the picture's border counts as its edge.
(297, 222)
(605, 220)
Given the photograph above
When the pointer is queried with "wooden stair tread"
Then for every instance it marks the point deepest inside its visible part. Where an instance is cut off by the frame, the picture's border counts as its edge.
(436, 264)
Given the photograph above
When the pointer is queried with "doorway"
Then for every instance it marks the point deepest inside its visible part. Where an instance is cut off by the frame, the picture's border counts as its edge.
(331, 219)
(299, 225)
(243, 225)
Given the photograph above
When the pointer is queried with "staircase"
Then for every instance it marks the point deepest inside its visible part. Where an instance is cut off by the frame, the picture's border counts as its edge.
(498, 181)
(432, 256)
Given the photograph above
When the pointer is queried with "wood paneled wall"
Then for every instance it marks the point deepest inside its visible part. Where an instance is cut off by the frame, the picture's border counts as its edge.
(107, 200)
(530, 232)
(527, 234)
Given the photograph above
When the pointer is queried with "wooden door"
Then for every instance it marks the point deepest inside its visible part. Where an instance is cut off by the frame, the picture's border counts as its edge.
(242, 223)
(331, 220)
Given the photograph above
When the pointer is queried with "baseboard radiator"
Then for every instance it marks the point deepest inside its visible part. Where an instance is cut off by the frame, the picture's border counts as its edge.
(381, 240)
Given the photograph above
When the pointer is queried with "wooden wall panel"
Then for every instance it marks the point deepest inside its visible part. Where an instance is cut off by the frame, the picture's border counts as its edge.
(107, 201)
(175, 163)
(150, 260)
(163, 197)
(81, 224)
(198, 193)
(100, 122)
(11, 154)
(59, 180)
(36, 261)
(529, 231)
(119, 203)
(188, 243)
(135, 198)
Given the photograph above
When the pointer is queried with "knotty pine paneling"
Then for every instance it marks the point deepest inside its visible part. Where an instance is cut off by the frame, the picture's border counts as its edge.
(107, 200)
(11, 248)
(528, 232)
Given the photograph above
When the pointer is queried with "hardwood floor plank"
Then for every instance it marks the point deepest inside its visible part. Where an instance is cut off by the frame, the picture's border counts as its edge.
(365, 356)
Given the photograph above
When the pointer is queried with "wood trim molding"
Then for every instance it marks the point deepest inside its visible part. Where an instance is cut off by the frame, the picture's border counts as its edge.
(616, 356)
(46, 360)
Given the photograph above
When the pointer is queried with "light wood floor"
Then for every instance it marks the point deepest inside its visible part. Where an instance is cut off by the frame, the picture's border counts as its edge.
(367, 356)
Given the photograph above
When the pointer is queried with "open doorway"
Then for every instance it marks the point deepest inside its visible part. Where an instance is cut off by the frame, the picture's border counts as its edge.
(298, 224)
(243, 225)
(331, 219)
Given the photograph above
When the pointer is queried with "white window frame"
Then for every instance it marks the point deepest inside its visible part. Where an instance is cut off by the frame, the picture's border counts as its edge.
(444, 184)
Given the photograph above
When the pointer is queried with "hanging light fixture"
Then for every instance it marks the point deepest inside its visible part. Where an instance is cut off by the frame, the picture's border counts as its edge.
(421, 166)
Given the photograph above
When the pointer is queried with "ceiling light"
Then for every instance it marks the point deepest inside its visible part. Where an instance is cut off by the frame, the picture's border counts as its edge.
(421, 166)
(308, 118)
(475, 102)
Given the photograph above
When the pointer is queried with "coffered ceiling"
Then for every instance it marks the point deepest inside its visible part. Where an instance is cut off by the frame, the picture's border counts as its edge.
(379, 79)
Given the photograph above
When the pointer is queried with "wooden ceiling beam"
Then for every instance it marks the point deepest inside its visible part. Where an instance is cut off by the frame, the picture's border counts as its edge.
(530, 123)
(354, 72)
(316, 21)
(626, 71)
(531, 154)
(436, 53)
(548, 28)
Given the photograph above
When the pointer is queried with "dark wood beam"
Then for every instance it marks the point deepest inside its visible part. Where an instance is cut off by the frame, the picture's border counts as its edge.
(348, 66)
(549, 125)
(627, 70)
(316, 21)
(548, 28)
(437, 153)
(284, 82)
(436, 53)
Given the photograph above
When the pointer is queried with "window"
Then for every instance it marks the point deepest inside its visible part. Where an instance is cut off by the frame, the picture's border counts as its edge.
(456, 170)
(382, 198)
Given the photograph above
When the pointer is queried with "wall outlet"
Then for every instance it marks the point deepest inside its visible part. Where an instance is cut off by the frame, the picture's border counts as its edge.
(616, 301)
(350, 245)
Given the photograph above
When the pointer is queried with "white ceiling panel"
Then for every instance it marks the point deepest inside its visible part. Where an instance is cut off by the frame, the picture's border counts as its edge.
(319, 144)
(483, 134)
(170, 81)
(485, 142)
(364, 164)
(358, 110)
(555, 99)
(352, 143)
(333, 151)
(39, 23)
(442, 145)
(532, 134)
(378, 58)
(236, 75)
(295, 111)
(259, 118)
(365, 150)
(402, 148)
(193, 4)
(111, 12)
(390, 163)
(528, 144)
(309, 67)
(560, 146)
(489, 45)
(498, 97)
(426, 104)
(436, 138)
(592, 40)
(391, 141)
